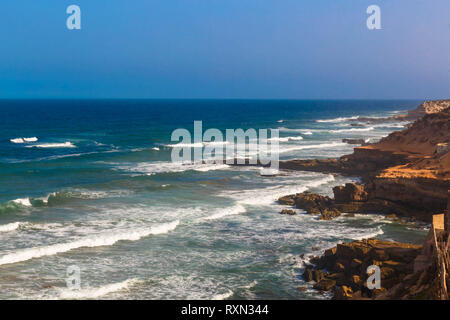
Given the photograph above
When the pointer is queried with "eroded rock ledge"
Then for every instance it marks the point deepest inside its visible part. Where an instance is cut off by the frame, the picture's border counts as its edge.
(343, 271)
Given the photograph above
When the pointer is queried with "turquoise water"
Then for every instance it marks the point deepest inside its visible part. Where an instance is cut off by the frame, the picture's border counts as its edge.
(91, 184)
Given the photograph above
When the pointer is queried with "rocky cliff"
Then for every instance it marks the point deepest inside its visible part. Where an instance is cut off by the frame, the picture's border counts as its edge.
(407, 172)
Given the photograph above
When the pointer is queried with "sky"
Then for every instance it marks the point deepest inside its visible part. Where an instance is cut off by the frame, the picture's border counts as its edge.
(225, 49)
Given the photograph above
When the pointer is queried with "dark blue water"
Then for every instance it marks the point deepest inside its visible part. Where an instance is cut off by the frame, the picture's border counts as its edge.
(91, 184)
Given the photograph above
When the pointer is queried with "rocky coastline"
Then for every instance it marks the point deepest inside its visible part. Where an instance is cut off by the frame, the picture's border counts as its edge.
(405, 175)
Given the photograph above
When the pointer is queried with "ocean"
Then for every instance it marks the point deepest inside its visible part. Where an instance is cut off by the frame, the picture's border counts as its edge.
(88, 185)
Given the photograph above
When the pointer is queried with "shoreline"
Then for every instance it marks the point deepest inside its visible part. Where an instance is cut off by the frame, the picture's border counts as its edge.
(404, 176)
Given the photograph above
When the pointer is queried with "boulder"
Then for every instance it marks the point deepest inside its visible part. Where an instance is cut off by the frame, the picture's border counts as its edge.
(350, 192)
(308, 275)
(288, 212)
(325, 285)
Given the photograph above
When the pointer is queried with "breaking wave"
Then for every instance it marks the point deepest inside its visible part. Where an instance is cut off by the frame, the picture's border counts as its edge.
(94, 293)
(10, 227)
(340, 119)
(352, 130)
(53, 145)
(106, 239)
(227, 212)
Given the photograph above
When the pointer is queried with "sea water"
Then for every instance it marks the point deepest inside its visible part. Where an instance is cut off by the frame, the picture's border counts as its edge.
(90, 184)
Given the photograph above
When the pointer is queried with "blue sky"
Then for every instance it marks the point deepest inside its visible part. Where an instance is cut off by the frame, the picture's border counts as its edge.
(264, 49)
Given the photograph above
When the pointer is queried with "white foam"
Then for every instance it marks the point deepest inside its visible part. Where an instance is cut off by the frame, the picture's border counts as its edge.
(93, 293)
(341, 119)
(53, 145)
(17, 140)
(31, 139)
(106, 239)
(24, 202)
(307, 133)
(182, 145)
(205, 167)
(222, 296)
(313, 146)
(352, 130)
(280, 121)
(151, 168)
(237, 209)
(268, 195)
(369, 235)
(286, 139)
(9, 227)
(268, 172)
(155, 148)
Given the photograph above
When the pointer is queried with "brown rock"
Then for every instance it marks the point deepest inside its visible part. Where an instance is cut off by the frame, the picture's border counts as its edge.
(287, 200)
(308, 275)
(350, 192)
(288, 212)
(325, 285)
(356, 264)
(318, 275)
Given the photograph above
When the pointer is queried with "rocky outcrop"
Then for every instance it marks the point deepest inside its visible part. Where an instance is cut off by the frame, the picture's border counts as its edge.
(313, 204)
(346, 267)
(406, 173)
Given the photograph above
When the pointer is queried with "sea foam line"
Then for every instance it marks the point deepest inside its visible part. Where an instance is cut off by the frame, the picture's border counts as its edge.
(341, 119)
(67, 144)
(100, 240)
(93, 293)
(237, 209)
(10, 227)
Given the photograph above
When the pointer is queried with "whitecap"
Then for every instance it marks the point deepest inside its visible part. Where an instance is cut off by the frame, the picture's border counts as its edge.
(53, 145)
(10, 227)
(24, 202)
(94, 293)
(106, 239)
(17, 140)
(237, 209)
(340, 119)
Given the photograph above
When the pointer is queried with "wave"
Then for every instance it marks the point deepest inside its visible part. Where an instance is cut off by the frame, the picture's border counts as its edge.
(302, 131)
(23, 140)
(10, 226)
(286, 139)
(15, 205)
(313, 146)
(222, 296)
(107, 239)
(378, 232)
(227, 212)
(53, 145)
(269, 195)
(152, 168)
(56, 198)
(197, 144)
(155, 148)
(352, 130)
(94, 293)
(340, 119)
